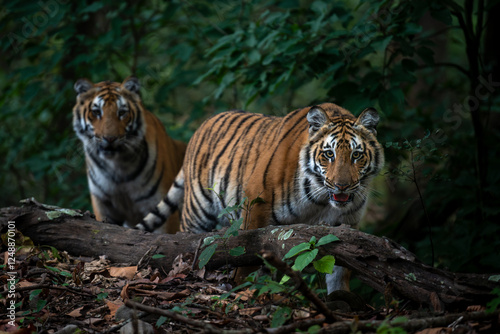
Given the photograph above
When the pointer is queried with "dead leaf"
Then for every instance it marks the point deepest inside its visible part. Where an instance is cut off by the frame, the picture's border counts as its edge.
(75, 313)
(164, 295)
(113, 306)
(25, 283)
(244, 295)
(475, 308)
(181, 265)
(436, 303)
(125, 272)
(250, 311)
(170, 278)
(261, 317)
(124, 293)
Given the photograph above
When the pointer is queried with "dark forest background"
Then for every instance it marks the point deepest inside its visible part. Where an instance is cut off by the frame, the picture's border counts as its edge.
(430, 67)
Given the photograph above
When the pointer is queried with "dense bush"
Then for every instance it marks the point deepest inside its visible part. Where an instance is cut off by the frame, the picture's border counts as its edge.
(429, 67)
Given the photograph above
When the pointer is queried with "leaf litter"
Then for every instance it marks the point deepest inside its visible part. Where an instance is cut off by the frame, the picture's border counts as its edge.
(56, 291)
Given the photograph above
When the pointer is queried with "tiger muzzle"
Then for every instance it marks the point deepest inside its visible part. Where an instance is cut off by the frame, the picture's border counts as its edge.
(109, 146)
(339, 195)
(340, 198)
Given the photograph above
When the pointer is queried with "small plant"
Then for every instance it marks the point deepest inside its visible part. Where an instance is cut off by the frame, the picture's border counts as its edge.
(388, 327)
(235, 223)
(494, 304)
(419, 152)
(306, 253)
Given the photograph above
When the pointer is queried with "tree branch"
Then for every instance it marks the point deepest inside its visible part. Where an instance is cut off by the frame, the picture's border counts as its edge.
(378, 262)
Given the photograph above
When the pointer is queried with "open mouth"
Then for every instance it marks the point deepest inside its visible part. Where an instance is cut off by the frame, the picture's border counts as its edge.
(341, 198)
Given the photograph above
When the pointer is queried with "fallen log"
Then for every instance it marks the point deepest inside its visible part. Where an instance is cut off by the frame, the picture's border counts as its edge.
(378, 262)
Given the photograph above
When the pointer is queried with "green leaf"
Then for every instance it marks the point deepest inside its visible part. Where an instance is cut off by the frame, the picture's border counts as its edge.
(284, 279)
(55, 252)
(304, 259)
(35, 293)
(161, 320)
(57, 270)
(327, 239)
(257, 199)
(314, 329)
(325, 264)
(234, 228)
(209, 240)
(237, 251)
(102, 296)
(40, 304)
(281, 315)
(157, 256)
(494, 304)
(297, 249)
(65, 273)
(206, 255)
(229, 209)
(312, 241)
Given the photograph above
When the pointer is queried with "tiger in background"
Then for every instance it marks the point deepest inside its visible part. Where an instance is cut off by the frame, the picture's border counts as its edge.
(131, 161)
(313, 165)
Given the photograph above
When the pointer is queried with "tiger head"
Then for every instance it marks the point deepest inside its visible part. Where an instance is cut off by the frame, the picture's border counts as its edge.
(106, 117)
(343, 153)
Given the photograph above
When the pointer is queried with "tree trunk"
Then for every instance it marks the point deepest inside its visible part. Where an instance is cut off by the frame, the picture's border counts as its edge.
(378, 262)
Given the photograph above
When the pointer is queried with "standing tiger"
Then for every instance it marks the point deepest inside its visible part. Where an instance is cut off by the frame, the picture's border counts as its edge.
(131, 161)
(313, 165)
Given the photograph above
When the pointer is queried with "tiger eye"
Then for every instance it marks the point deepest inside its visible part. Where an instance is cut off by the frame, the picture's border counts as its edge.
(356, 154)
(122, 112)
(96, 112)
(329, 154)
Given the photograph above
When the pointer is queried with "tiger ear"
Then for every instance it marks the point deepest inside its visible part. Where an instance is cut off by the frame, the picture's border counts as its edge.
(132, 84)
(82, 85)
(317, 118)
(369, 118)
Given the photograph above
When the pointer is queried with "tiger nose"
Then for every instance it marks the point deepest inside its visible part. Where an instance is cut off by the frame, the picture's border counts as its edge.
(341, 186)
(109, 140)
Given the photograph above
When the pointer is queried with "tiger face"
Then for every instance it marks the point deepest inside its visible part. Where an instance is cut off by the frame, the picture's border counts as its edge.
(106, 119)
(344, 155)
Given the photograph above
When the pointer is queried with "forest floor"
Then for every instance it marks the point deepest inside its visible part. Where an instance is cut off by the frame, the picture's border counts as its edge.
(57, 293)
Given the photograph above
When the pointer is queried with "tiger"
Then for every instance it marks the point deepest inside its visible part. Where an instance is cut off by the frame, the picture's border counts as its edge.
(131, 161)
(313, 165)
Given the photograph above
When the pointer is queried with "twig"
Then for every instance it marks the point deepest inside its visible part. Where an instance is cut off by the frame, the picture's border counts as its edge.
(144, 261)
(196, 254)
(301, 285)
(208, 328)
(429, 223)
(291, 328)
(411, 325)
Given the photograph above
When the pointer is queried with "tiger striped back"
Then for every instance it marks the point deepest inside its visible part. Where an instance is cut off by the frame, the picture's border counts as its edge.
(131, 161)
(314, 165)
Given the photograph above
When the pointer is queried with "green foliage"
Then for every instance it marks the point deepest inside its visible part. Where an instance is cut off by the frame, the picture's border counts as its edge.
(157, 256)
(425, 65)
(281, 315)
(161, 320)
(494, 304)
(102, 296)
(390, 327)
(235, 215)
(207, 254)
(306, 253)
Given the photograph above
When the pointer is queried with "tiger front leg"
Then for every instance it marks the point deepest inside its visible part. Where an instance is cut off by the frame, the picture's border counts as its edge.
(102, 212)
